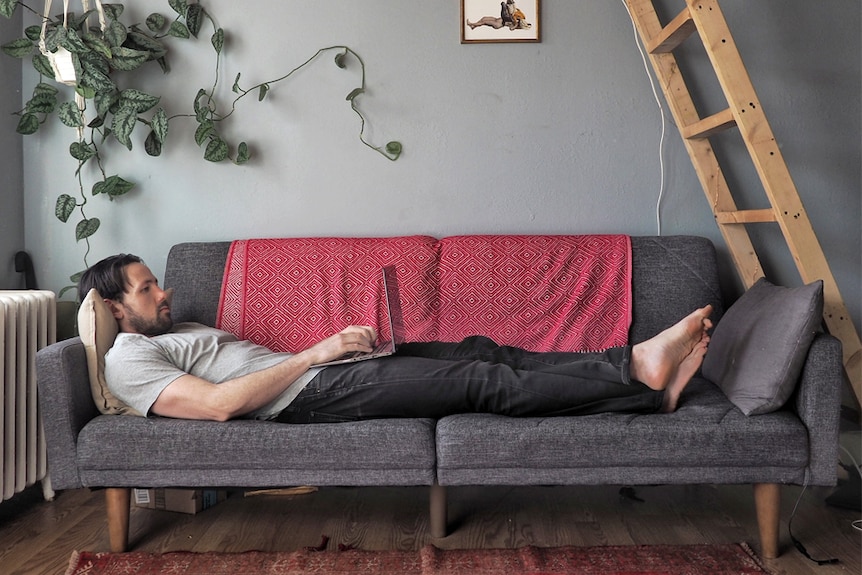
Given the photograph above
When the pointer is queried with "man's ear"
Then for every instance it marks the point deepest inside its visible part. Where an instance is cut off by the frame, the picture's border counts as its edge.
(115, 308)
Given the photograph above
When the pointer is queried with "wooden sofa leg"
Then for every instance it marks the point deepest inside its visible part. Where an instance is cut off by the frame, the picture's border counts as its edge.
(438, 514)
(767, 502)
(118, 501)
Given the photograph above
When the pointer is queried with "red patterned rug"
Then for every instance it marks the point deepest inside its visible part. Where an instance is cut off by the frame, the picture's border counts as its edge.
(622, 560)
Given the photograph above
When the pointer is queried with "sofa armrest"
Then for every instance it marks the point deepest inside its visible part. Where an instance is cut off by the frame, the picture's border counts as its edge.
(66, 406)
(818, 404)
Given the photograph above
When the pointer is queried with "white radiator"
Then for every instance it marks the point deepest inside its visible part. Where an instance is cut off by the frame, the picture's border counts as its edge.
(28, 322)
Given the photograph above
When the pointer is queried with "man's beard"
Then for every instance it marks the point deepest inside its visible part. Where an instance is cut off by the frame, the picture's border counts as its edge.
(159, 326)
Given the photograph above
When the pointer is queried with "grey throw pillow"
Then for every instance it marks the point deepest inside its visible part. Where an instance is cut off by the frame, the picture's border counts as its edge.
(758, 348)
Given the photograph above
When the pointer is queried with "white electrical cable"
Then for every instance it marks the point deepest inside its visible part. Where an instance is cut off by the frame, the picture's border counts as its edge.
(663, 124)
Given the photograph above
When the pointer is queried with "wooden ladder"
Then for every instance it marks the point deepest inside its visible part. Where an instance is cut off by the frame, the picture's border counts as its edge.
(745, 113)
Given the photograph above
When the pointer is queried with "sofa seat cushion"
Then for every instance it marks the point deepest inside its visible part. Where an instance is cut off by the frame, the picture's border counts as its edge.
(154, 452)
(706, 440)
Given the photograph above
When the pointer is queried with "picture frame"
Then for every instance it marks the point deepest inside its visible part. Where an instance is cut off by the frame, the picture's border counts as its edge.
(485, 21)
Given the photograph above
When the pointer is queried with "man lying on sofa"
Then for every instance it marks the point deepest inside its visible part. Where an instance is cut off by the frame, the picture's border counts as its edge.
(193, 371)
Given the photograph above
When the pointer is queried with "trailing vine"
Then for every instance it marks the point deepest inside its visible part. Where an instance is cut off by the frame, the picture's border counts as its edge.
(94, 55)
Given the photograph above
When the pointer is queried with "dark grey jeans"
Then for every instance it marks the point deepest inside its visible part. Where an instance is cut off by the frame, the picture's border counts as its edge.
(473, 376)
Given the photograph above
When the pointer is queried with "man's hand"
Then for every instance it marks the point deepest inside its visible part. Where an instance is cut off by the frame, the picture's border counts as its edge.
(351, 339)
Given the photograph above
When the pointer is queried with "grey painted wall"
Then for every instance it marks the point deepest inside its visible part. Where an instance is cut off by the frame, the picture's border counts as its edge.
(11, 172)
(556, 137)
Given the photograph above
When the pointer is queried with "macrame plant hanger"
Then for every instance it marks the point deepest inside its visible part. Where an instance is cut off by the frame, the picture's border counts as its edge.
(61, 60)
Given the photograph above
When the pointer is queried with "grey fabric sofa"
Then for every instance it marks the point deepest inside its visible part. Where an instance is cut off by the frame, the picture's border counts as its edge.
(706, 441)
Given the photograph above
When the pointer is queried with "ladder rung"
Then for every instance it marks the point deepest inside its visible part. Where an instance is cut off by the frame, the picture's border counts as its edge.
(672, 35)
(710, 125)
(745, 217)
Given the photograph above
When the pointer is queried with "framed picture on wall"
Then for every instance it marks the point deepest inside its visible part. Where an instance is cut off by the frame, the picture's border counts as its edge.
(500, 21)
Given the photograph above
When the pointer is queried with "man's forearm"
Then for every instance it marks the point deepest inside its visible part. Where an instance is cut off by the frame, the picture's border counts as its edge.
(191, 397)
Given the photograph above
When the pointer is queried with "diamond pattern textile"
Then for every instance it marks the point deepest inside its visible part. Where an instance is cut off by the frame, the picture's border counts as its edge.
(538, 292)
(542, 293)
(288, 294)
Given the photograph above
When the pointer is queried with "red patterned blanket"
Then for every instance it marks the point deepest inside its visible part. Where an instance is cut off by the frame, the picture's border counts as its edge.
(542, 293)
(538, 292)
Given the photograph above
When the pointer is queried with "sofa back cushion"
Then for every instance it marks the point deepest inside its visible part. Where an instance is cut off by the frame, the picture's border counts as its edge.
(196, 271)
(671, 275)
(538, 292)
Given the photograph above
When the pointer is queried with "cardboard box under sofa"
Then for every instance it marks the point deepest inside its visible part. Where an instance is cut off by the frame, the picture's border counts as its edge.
(180, 500)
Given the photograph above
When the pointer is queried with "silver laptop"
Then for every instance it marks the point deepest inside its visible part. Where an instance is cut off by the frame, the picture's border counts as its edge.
(396, 324)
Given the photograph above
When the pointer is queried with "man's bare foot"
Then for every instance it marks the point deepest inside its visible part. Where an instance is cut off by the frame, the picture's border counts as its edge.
(683, 375)
(659, 361)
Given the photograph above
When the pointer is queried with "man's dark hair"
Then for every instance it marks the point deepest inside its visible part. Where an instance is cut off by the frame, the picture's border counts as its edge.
(108, 277)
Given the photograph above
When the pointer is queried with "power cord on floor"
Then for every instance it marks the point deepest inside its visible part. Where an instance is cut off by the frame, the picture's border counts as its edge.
(798, 544)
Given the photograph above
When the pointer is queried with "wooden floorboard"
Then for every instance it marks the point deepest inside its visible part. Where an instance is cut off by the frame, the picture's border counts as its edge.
(38, 537)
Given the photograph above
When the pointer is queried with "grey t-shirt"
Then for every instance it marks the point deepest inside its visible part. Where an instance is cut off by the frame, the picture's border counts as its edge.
(138, 368)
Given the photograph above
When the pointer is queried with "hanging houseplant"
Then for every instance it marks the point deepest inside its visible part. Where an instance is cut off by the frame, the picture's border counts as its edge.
(87, 51)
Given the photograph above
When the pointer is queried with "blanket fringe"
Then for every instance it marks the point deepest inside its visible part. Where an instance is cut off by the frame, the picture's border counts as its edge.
(73, 562)
(756, 558)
